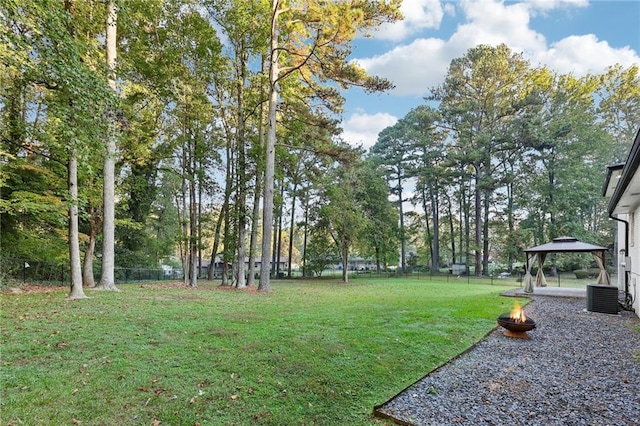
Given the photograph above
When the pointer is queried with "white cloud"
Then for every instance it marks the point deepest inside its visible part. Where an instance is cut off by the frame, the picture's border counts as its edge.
(423, 63)
(418, 15)
(489, 22)
(545, 5)
(585, 54)
(413, 68)
(361, 129)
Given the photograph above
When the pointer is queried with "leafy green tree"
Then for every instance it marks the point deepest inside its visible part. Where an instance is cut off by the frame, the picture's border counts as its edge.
(241, 116)
(429, 169)
(60, 68)
(482, 92)
(566, 128)
(619, 107)
(354, 210)
(341, 215)
(394, 152)
(312, 42)
(319, 253)
(379, 235)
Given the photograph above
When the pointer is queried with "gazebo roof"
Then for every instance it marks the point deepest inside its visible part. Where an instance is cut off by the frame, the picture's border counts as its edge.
(565, 244)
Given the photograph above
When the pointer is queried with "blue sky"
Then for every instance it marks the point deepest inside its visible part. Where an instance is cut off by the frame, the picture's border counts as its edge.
(569, 36)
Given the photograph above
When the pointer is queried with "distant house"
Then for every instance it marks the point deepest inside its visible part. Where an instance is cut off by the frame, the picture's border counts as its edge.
(357, 264)
(622, 186)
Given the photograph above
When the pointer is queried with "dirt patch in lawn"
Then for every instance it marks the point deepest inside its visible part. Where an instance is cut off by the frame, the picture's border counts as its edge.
(28, 288)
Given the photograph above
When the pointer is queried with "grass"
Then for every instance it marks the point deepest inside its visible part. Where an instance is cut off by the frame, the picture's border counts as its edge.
(308, 352)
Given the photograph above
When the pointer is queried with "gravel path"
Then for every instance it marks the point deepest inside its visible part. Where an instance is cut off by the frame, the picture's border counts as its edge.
(577, 368)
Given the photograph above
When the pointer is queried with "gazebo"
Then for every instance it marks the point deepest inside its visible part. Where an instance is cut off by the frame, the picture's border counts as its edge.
(561, 245)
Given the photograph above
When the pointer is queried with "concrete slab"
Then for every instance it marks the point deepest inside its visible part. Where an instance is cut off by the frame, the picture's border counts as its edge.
(549, 291)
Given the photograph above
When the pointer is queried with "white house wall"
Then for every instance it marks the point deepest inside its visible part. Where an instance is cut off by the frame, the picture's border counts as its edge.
(634, 257)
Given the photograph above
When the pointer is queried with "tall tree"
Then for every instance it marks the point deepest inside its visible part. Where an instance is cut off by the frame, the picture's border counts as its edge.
(619, 107)
(565, 129)
(420, 128)
(380, 231)
(394, 151)
(315, 43)
(107, 279)
(481, 93)
(341, 215)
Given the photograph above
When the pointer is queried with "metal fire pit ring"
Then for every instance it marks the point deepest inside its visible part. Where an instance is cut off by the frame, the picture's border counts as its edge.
(515, 328)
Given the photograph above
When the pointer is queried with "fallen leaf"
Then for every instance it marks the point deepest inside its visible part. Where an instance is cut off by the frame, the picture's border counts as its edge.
(76, 421)
(234, 396)
(156, 422)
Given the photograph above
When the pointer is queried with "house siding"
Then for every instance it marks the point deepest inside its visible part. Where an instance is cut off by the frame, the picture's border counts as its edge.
(634, 257)
(624, 205)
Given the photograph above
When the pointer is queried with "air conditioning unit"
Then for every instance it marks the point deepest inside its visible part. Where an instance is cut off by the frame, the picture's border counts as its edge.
(602, 298)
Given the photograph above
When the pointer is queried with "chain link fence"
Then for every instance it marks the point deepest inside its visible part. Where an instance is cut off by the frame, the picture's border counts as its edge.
(41, 272)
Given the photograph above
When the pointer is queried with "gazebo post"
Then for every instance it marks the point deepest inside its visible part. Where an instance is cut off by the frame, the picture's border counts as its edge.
(528, 280)
(603, 277)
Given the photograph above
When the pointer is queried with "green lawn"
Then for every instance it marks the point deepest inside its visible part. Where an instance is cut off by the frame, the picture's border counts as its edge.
(308, 352)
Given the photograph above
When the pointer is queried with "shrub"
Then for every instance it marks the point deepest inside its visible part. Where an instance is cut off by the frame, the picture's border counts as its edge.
(581, 274)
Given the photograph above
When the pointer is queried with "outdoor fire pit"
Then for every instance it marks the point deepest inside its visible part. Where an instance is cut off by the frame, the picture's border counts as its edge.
(516, 323)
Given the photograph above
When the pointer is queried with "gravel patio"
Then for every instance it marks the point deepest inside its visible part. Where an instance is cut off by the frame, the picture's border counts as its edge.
(577, 368)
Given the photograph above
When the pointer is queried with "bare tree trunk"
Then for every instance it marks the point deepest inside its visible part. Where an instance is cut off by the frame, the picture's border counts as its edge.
(241, 198)
(306, 233)
(226, 238)
(435, 213)
(199, 216)
(186, 264)
(267, 213)
(345, 261)
(278, 250)
(425, 208)
(87, 264)
(74, 244)
(403, 239)
(227, 230)
(511, 223)
(255, 215)
(255, 218)
(193, 226)
(216, 241)
(478, 225)
(274, 250)
(182, 251)
(485, 232)
(107, 278)
(241, 252)
(451, 229)
(292, 227)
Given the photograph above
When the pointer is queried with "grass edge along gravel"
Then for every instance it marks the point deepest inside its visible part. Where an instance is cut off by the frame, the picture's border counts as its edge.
(308, 352)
